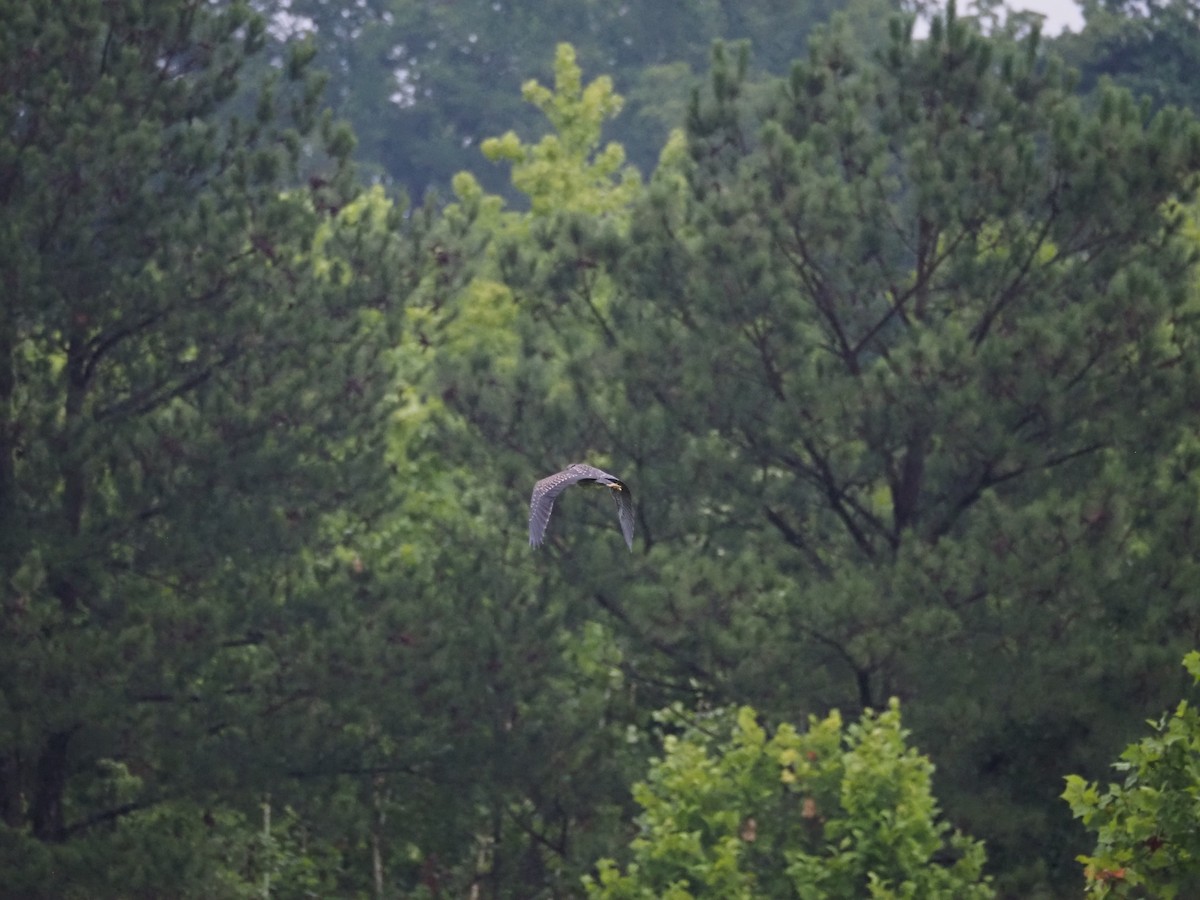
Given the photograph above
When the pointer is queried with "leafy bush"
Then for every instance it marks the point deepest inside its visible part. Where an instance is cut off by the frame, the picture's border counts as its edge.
(831, 812)
(1147, 828)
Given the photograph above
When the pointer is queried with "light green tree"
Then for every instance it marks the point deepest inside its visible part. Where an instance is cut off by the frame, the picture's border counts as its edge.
(835, 811)
(566, 170)
(532, 780)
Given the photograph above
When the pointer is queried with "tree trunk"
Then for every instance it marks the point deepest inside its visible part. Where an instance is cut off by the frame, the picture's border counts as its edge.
(11, 795)
(377, 837)
(11, 805)
(46, 814)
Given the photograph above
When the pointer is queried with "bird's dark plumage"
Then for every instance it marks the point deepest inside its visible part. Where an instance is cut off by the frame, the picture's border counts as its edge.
(541, 504)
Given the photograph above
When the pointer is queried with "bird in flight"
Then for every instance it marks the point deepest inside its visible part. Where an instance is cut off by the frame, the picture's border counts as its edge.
(541, 504)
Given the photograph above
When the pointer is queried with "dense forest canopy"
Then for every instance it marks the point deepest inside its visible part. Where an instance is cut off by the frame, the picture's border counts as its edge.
(425, 83)
(893, 339)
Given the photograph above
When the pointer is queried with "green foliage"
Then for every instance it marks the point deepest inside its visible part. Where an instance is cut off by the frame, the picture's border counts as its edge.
(528, 724)
(179, 850)
(480, 327)
(832, 812)
(1147, 843)
(424, 84)
(195, 387)
(897, 354)
(1150, 48)
(563, 171)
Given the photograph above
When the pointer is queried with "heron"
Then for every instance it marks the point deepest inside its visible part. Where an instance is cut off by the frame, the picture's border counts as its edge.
(541, 504)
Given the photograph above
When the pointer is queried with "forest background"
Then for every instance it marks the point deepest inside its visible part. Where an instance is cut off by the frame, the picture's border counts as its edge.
(893, 339)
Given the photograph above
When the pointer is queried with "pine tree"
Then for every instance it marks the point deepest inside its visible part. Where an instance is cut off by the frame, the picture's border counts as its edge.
(192, 380)
(898, 354)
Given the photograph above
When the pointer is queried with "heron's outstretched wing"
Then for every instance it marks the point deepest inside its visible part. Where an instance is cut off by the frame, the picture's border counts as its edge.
(541, 503)
(625, 513)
